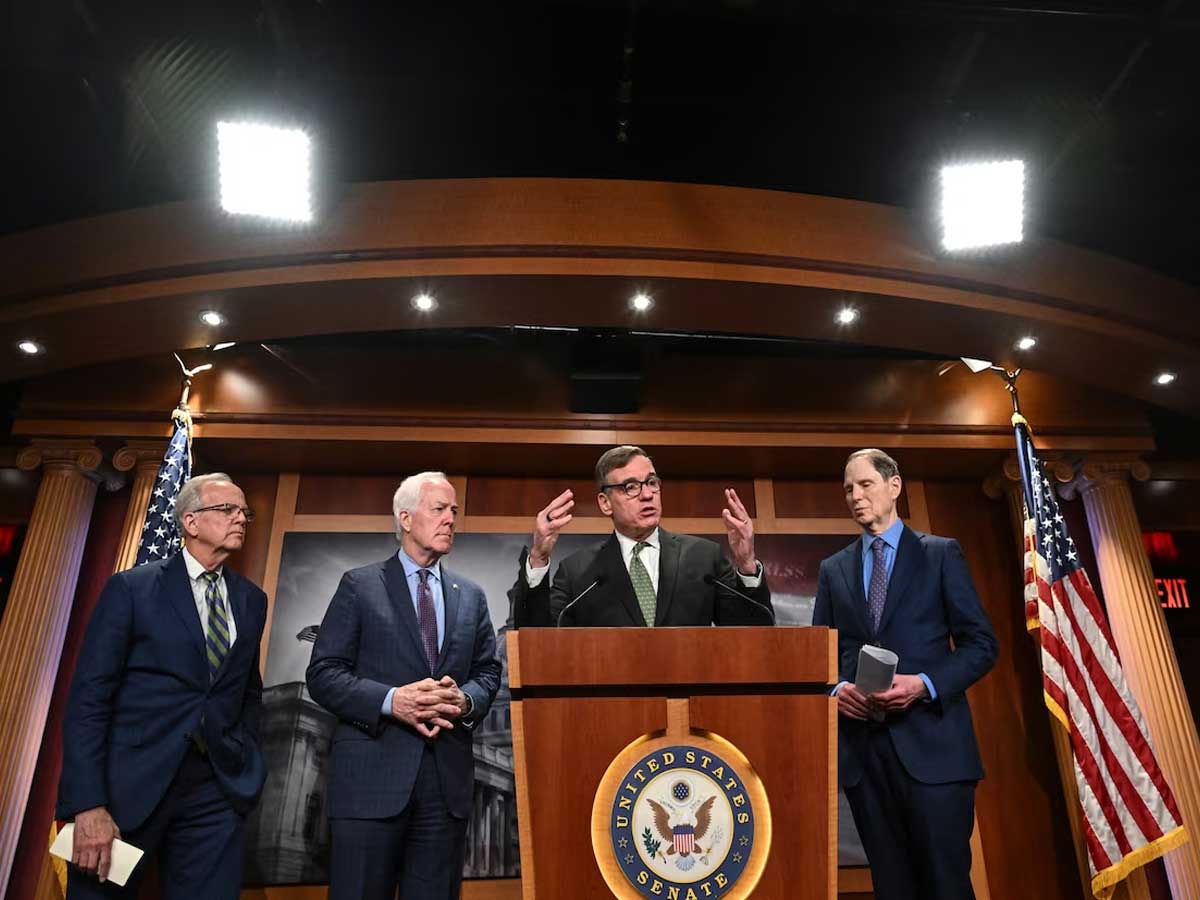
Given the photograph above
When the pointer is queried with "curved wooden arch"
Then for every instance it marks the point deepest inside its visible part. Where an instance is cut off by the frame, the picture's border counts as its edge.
(570, 252)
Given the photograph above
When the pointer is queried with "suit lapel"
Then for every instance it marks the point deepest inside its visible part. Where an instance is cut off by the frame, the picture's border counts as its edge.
(668, 569)
(401, 598)
(612, 564)
(851, 566)
(910, 559)
(452, 598)
(178, 588)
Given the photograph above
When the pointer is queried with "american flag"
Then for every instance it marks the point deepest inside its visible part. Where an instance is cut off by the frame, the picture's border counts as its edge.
(1128, 812)
(160, 537)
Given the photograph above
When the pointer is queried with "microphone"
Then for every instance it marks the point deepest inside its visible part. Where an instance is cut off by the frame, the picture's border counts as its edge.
(599, 581)
(712, 579)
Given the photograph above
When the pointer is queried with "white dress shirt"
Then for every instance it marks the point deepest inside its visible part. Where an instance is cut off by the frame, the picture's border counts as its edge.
(199, 586)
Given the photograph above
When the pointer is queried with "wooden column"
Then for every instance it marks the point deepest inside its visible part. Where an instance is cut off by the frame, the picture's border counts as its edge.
(35, 622)
(1007, 484)
(1147, 654)
(144, 457)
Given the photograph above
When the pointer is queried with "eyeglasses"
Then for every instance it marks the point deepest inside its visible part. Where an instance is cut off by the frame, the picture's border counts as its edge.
(229, 510)
(633, 487)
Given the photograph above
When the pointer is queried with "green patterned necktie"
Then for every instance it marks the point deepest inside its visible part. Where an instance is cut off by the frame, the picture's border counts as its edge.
(216, 638)
(643, 587)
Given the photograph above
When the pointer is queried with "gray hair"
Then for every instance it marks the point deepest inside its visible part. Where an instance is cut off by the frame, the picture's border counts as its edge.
(616, 458)
(408, 495)
(887, 467)
(191, 496)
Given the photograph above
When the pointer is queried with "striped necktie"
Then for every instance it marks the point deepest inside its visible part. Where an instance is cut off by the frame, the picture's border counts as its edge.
(216, 637)
(643, 587)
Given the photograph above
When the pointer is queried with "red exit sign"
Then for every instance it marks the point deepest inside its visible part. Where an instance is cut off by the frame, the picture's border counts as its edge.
(1173, 593)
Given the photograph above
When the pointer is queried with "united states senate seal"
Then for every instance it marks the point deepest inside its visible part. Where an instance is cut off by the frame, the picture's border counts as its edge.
(681, 819)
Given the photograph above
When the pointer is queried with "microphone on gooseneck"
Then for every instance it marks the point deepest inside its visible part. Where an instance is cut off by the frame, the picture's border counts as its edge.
(599, 581)
(712, 579)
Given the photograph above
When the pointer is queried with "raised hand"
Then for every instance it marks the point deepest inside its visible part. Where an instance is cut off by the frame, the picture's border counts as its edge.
(741, 532)
(547, 526)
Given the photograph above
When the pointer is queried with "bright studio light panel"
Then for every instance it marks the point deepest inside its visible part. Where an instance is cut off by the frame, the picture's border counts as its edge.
(264, 171)
(983, 204)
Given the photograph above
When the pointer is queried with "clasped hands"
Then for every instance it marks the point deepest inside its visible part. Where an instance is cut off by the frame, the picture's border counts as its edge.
(429, 706)
(904, 692)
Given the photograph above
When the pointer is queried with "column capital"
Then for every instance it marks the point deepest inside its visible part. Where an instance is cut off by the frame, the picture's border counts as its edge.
(1098, 469)
(1008, 477)
(78, 454)
(139, 454)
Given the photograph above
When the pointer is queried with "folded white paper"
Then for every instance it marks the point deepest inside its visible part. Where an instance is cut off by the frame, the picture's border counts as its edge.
(124, 856)
(876, 669)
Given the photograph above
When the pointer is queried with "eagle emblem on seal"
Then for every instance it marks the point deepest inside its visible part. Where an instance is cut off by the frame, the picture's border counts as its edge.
(683, 826)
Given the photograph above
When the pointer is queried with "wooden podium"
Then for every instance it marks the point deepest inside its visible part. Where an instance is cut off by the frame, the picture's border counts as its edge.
(582, 696)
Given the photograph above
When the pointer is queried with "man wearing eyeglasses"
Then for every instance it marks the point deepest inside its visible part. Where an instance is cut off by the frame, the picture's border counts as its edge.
(641, 575)
(160, 738)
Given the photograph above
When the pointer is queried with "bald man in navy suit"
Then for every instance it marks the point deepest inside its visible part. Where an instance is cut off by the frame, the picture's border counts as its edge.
(907, 756)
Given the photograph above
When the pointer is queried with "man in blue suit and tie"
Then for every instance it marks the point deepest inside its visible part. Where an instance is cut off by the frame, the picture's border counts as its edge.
(160, 740)
(907, 756)
(406, 660)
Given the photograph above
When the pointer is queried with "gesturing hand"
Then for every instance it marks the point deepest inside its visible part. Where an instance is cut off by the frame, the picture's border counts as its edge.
(427, 705)
(95, 831)
(741, 532)
(546, 527)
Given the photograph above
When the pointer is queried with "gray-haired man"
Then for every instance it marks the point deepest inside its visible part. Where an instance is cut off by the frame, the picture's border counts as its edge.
(406, 660)
(160, 739)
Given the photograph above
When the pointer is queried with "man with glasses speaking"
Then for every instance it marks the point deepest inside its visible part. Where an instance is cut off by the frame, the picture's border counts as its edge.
(641, 575)
(160, 735)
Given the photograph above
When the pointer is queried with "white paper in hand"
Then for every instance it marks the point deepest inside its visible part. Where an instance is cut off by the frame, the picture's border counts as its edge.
(876, 669)
(124, 856)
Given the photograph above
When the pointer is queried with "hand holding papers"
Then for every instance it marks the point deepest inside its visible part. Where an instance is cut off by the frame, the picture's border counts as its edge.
(124, 856)
(876, 670)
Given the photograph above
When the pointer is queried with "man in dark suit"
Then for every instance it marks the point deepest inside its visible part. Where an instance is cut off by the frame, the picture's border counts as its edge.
(160, 740)
(907, 756)
(641, 575)
(406, 660)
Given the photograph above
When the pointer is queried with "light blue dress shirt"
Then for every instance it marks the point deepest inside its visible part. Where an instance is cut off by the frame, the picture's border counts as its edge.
(411, 570)
(891, 543)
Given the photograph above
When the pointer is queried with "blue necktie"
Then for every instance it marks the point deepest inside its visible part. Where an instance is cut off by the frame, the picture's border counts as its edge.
(877, 594)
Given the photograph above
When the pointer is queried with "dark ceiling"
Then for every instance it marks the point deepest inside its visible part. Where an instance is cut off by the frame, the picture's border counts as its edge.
(111, 104)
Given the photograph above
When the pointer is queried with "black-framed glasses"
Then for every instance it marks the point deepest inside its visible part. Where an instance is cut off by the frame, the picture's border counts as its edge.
(633, 487)
(229, 510)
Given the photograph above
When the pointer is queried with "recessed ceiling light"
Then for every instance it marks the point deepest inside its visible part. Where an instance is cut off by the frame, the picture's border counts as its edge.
(641, 302)
(847, 316)
(1164, 378)
(424, 302)
(224, 345)
(212, 317)
(1027, 343)
(31, 347)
